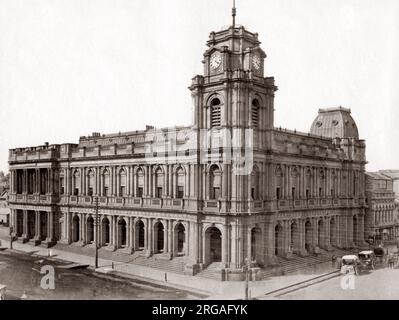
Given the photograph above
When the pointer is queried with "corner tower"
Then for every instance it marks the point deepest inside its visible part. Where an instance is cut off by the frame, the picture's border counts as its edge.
(233, 92)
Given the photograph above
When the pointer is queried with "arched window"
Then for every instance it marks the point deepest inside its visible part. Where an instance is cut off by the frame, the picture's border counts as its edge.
(279, 182)
(159, 180)
(322, 182)
(255, 184)
(106, 183)
(140, 182)
(308, 185)
(215, 113)
(215, 182)
(76, 182)
(61, 184)
(180, 183)
(90, 182)
(294, 182)
(255, 113)
(122, 183)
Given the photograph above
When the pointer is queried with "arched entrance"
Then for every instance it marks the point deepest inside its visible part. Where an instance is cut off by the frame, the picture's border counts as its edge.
(308, 236)
(75, 229)
(333, 232)
(213, 245)
(159, 236)
(105, 232)
(320, 233)
(139, 232)
(294, 245)
(355, 229)
(43, 225)
(121, 233)
(278, 240)
(180, 239)
(20, 223)
(256, 245)
(90, 229)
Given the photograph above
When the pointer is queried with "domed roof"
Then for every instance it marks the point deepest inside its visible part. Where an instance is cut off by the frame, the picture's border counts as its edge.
(335, 123)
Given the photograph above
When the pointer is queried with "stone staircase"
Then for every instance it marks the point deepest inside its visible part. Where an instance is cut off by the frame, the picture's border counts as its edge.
(176, 265)
(292, 265)
(156, 261)
(212, 271)
(297, 264)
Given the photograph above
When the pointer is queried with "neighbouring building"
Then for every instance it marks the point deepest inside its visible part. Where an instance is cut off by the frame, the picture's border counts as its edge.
(228, 189)
(394, 175)
(381, 215)
(4, 209)
(4, 182)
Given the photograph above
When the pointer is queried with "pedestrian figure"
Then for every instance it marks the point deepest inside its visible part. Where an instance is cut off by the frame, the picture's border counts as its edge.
(333, 261)
(390, 261)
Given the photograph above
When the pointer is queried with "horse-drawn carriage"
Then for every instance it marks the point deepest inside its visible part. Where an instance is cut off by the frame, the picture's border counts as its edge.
(381, 256)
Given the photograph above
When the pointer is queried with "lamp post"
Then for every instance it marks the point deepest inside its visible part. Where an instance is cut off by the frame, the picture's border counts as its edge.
(96, 239)
(246, 269)
(11, 237)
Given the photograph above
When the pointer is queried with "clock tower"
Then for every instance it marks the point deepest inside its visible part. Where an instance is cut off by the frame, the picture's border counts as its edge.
(233, 93)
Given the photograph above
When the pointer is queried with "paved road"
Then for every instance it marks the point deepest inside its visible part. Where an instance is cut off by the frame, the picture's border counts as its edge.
(377, 284)
(20, 272)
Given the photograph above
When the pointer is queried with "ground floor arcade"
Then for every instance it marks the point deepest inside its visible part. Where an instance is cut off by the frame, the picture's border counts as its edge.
(229, 241)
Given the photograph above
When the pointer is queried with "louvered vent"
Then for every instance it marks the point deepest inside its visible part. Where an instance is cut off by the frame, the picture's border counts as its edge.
(215, 113)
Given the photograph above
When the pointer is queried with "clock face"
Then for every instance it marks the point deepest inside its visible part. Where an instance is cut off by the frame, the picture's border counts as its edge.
(216, 61)
(256, 62)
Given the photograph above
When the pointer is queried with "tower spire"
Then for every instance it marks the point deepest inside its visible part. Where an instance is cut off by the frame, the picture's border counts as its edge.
(234, 13)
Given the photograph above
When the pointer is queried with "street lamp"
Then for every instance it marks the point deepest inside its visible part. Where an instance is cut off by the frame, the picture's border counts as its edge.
(96, 239)
(11, 237)
(246, 269)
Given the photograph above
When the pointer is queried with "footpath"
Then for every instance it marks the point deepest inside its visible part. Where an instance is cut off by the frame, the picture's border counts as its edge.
(207, 288)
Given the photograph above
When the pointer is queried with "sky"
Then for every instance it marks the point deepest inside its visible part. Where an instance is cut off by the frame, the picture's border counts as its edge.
(72, 67)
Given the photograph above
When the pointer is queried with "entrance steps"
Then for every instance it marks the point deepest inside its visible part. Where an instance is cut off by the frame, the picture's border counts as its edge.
(297, 264)
(176, 265)
(212, 271)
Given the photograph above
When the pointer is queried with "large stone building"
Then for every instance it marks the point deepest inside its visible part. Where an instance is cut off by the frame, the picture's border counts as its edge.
(230, 188)
(381, 215)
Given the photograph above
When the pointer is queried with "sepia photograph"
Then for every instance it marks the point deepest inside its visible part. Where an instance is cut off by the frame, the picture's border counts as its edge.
(199, 150)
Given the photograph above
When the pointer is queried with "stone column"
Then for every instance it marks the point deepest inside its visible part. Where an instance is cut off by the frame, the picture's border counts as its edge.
(287, 236)
(360, 228)
(315, 232)
(117, 182)
(84, 229)
(301, 226)
(149, 237)
(114, 232)
(225, 246)
(270, 242)
(170, 238)
(249, 244)
(132, 234)
(50, 227)
(349, 228)
(37, 227)
(327, 236)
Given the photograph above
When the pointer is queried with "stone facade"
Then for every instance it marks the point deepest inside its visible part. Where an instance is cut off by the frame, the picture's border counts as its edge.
(230, 189)
(381, 215)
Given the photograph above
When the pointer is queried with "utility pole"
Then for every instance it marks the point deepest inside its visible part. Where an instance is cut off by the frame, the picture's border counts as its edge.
(246, 278)
(96, 239)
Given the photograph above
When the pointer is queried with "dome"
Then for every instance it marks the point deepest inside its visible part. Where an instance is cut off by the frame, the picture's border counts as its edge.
(335, 123)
